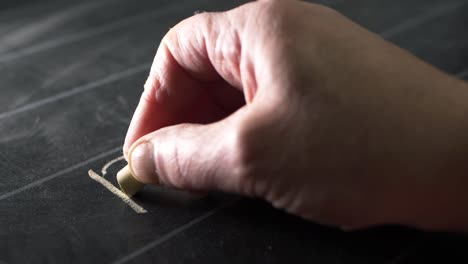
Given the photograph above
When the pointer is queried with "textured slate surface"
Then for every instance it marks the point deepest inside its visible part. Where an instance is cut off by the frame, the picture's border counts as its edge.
(70, 76)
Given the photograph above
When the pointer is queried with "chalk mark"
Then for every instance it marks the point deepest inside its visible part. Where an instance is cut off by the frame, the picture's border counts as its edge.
(45, 24)
(174, 232)
(133, 20)
(137, 208)
(76, 90)
(87, 59)
(17, 135)
(59, 173)
(110, 163)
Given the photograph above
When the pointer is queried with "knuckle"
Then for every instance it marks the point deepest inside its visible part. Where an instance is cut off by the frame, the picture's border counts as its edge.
(281, 14)
(271, 11)
(203, 16)
(203, 19)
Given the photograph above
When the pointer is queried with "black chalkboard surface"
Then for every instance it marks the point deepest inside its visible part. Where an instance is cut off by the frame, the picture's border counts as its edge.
(71, 73)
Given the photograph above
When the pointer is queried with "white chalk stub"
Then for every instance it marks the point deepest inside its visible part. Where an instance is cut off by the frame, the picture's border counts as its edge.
(127, 182)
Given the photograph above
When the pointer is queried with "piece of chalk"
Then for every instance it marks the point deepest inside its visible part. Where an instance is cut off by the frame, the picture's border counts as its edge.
(127, 182)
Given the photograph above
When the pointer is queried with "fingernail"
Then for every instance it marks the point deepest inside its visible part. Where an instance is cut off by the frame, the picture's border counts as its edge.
(142, 162)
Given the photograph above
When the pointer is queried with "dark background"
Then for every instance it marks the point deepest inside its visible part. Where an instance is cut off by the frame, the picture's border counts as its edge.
(71, 73)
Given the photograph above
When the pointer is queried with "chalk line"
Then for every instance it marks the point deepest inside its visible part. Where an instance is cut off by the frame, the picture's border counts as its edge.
(86, 34)
(110, 163)
(58, 174)
(173, 233)
(45, 24)
(76, 90)
(138, 209)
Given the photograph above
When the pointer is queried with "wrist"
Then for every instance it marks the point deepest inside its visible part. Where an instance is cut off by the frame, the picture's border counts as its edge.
(438, 198)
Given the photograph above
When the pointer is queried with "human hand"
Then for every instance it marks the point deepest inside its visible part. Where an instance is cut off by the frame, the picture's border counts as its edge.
(296, 104)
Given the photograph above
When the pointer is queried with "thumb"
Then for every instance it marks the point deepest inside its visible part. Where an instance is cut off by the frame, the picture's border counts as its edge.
(190, 156)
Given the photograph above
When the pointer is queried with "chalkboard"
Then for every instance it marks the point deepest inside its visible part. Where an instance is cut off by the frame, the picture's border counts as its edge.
(71, 73)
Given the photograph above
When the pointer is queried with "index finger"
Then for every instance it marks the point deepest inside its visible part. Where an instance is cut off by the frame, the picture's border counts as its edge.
(188, 66)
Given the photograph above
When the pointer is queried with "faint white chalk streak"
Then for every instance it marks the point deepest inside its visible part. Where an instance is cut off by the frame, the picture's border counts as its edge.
(84, 60)
(173, 233)
(96, 31)
(36, 28)
(59, 173)
(110, 163)
(419, 20)
(16, 136)
(76, 90)
(138, 209)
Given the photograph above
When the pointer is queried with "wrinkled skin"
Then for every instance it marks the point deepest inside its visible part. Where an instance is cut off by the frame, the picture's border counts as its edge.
(294, 103)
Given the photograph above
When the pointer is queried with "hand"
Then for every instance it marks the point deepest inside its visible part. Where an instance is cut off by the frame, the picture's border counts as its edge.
(294, 103)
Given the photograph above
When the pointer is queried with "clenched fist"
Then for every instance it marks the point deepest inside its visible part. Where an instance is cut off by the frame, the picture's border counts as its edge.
(294, 103)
